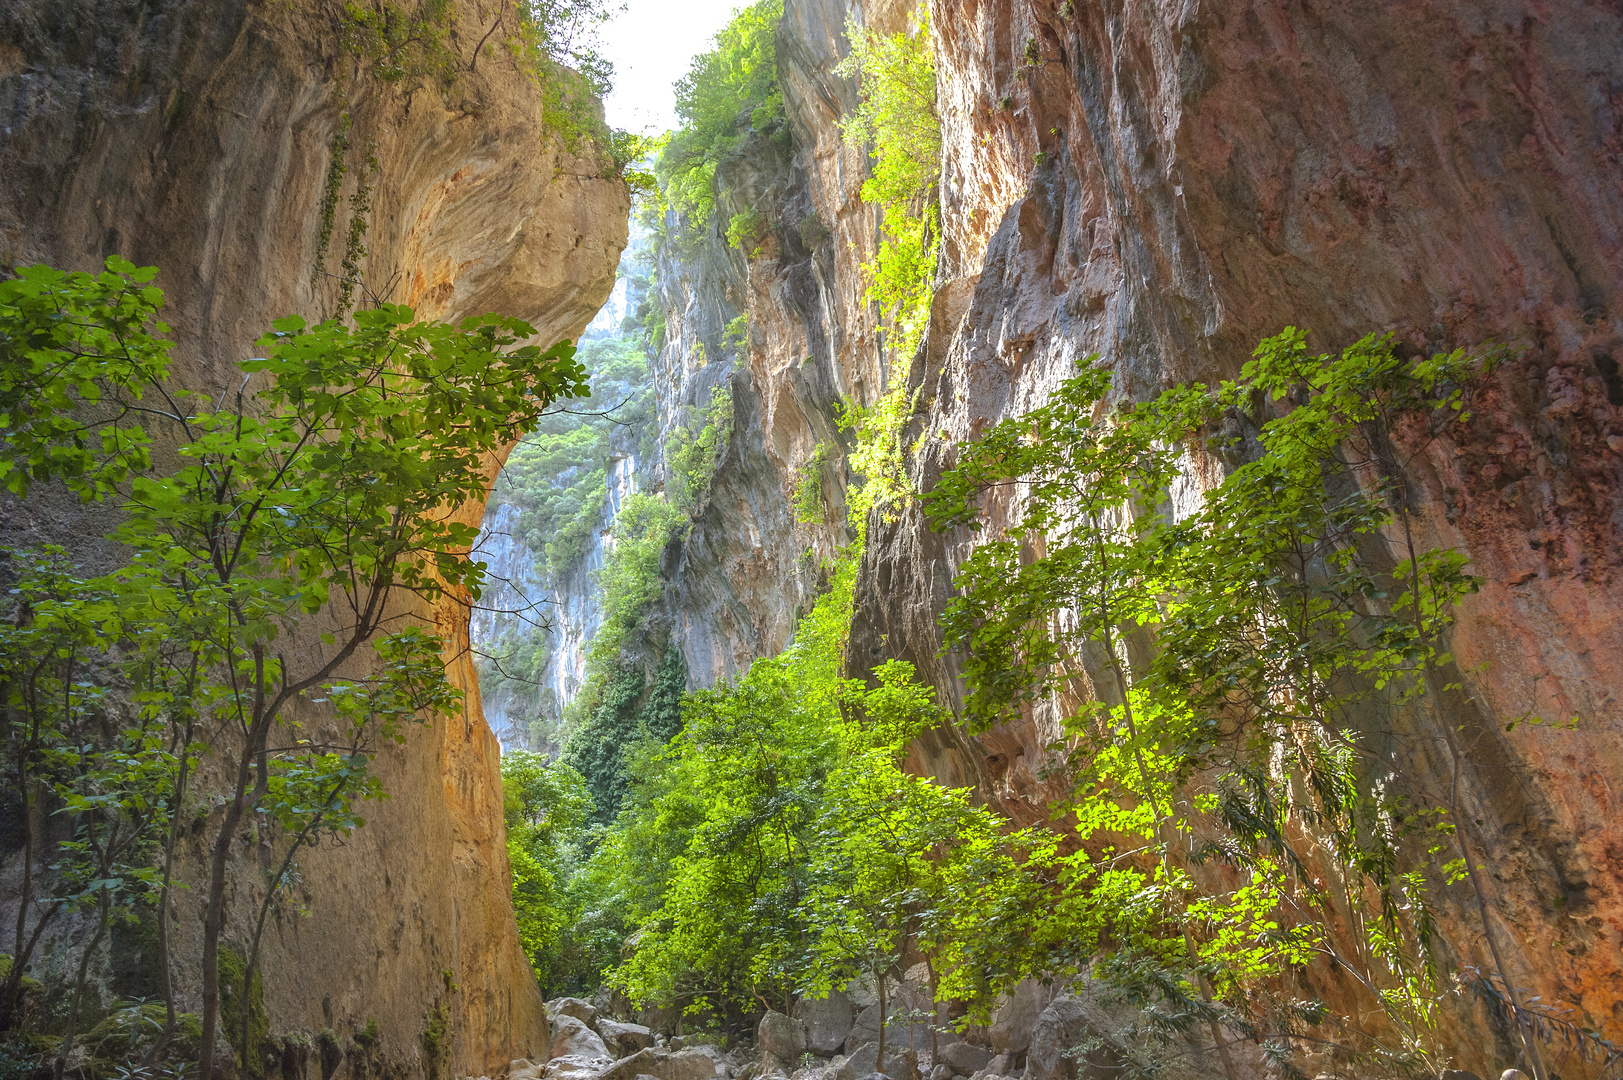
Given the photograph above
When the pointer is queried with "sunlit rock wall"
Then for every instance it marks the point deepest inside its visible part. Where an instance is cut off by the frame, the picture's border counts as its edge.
(1171, 182)
(1167, 183)
(195, 135)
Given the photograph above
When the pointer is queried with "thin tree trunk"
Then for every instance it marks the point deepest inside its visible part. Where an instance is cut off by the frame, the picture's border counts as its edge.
(1155, 808)
(879, 1062)
(170, 1018)
(1535, 1058)
(72, 1032)
(214, 917)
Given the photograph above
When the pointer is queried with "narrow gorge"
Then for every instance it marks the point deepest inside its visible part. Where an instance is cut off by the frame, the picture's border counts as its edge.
(1033, 540)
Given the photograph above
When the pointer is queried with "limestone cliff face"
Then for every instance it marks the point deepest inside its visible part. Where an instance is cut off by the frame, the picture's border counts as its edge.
(197, 135)
(1165, 182)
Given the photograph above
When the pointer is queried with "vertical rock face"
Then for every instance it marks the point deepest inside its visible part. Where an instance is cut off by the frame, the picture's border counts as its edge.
(1165, 183)
(197, 135)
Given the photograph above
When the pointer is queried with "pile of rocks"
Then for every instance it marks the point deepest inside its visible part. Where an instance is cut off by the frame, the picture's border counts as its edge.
(837, 1038)
(586, 1046)
(1034, 1034)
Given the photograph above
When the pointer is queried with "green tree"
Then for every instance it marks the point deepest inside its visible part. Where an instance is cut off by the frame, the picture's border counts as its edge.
(312, 504)
(897, 118)
(1262, 639)
(545, 805)
(729, 94)
(900, 860)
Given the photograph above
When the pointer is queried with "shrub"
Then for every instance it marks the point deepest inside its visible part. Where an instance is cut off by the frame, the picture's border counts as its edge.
(694, 459)
(730, 93)
(810, 506)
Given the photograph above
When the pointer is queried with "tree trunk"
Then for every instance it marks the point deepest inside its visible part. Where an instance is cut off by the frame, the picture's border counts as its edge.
(879, 1061)
(66, 1047)
(214, 923)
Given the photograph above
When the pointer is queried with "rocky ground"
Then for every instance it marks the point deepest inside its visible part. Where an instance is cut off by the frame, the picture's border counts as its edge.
(1038, 1033)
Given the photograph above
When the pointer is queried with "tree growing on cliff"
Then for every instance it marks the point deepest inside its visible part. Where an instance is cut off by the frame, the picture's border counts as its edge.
(1251, 659)
(319, 504)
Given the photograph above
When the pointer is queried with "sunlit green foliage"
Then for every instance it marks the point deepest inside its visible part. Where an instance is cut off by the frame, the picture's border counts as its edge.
(1285, 653)
(897, 118)
(801, 855)
(729, 94)
(400, 39)
(811, 507)
(316, 501)
(695, 457)
(630, 578)
(545, 805)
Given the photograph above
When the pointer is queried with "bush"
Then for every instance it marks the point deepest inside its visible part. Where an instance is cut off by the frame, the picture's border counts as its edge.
(695, 459)
(630, 577)
(898, 118)
(748, 232)
(810, 506)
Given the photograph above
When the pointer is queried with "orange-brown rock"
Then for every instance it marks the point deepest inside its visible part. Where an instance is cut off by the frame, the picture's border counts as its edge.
(1164, 183)
(196, 135)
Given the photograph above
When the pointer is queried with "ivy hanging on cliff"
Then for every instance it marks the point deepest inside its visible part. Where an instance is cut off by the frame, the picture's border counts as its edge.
(897, 118)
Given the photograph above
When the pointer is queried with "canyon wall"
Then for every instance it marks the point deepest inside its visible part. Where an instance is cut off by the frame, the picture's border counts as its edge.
(1164, 183)
(198, 136)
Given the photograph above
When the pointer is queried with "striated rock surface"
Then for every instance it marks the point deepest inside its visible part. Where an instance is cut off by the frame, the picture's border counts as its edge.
(197, 135)
(1164, 184)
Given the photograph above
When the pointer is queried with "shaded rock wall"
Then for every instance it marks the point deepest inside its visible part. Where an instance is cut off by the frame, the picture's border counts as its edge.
(195, 135)
(1168, 182)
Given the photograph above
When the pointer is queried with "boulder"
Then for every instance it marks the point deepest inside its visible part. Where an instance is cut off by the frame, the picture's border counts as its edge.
(1059, 1027)
(964, 1059)
(861, 992)
(781, 1036)
(1016, 1019)
(524, 1069)
(623, 1040)
(584, 1011)
(899, 1033)
(771, 1065)
(827, 1022)
(724, 1065)
(572, 1038)
(574, 1067)
(900, 1064)
(663, 1065)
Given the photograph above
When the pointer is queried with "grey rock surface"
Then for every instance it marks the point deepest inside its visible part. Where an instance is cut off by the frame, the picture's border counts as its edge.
(1016, 1019)
(584, 1011)
(827, 1021)
(964, 1059)
(623, 1040)
(573, 1039)
(900, 1064)
(781, 1036)
(665, 1065)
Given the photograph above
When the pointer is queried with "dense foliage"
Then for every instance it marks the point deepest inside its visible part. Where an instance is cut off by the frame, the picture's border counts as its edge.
(788, 852)
(1298, 628)
(897, 119)
(730, 94)
(313, 504)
